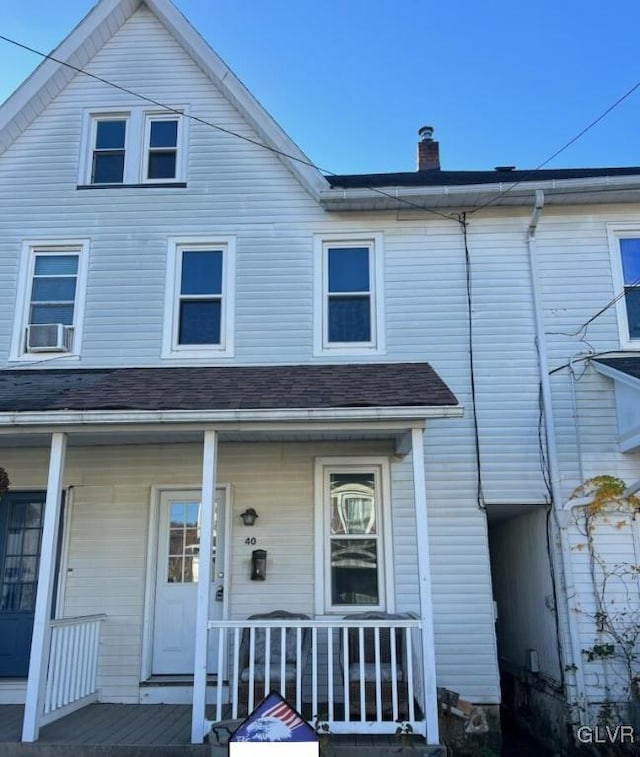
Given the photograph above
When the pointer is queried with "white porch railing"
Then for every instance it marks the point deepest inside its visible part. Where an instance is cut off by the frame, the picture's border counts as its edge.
(357, 676)
(73, 665)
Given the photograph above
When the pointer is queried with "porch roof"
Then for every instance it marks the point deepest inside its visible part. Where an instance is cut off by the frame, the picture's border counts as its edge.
(273, 387)
(625, 372)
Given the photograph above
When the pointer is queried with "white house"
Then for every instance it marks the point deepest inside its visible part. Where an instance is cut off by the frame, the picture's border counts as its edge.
(200, 327)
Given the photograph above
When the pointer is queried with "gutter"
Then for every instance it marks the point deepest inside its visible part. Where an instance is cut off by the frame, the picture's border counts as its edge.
(596, 189)
(572, 654)
(58, 418)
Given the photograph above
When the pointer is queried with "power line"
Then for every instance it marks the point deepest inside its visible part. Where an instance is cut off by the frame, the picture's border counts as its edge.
(198, 119)
(311, 164)
(560, 150)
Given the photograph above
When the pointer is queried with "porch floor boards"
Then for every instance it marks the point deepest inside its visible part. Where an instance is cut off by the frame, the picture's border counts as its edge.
(108, 724)
(153, 730)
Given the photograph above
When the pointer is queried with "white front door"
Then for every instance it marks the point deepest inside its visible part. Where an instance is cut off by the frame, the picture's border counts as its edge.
(177, 579)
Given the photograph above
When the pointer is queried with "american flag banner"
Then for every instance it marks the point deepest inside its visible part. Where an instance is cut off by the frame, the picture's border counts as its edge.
(285, 714)
(274, 719)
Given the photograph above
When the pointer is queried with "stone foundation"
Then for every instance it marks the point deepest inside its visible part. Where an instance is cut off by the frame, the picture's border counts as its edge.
(471, 730)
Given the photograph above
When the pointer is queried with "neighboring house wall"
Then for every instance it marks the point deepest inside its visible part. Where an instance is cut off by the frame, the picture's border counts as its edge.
(524, 591)
(576, 282)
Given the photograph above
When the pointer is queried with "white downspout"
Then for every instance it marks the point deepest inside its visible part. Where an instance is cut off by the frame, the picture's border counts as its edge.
(571, 651)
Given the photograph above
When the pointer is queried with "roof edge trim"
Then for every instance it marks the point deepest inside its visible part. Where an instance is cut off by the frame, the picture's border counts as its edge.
(207, 417)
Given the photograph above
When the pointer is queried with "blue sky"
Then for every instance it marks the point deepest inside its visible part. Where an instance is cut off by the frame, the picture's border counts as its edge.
(351, 81)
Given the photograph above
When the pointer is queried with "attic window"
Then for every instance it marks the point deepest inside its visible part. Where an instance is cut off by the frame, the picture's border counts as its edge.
(133, 148)
(109, 151)
(161, 148)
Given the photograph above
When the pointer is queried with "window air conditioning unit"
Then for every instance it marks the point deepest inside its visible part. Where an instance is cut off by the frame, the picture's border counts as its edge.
(49, 337)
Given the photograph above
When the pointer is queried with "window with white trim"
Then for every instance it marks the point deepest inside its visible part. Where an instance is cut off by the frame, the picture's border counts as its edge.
(162, 144)
(51, 301)
(349, 295)
(132, 148)
(200, 307)
(108, 139)
(353, 552)
(625, 250)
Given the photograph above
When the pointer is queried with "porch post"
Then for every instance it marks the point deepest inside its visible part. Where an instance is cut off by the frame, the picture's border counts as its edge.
(424, 573)
(41, 637)
(207, 508)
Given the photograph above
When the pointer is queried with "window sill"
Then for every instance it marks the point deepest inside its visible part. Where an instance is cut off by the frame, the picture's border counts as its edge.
(149, 185)
(355, 350)
(196, 354)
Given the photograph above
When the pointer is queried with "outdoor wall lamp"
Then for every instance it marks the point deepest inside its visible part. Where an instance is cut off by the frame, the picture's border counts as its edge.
(249, 516)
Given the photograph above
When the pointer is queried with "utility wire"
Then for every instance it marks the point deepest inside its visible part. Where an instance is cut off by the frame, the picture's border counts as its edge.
(311, 164)
(198, 119)
(560, 150)
(472, 371)
(582, 328)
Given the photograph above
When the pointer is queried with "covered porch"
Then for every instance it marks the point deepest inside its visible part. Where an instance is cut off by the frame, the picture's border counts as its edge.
(346, 674)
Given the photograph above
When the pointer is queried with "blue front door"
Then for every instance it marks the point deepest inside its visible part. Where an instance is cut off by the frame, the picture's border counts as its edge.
(21, 516)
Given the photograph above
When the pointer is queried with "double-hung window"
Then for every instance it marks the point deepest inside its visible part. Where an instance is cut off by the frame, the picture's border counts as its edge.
(353, 551)
(133, 148)
(50, 300)
(625, 251)
(199, 299)
(161, 148)
(109, 142)
(349, 295)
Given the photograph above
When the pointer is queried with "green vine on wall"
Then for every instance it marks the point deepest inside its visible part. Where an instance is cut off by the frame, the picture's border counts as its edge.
(615, 583)
(604, 492)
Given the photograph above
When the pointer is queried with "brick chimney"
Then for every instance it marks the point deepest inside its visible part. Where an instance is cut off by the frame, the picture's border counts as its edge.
(428, 150)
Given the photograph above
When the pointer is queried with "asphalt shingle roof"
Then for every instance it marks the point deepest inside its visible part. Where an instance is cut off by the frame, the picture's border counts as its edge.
(231, 388)
(437, 178)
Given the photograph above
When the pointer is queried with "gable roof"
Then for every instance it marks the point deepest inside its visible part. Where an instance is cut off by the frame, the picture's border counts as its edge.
(97, 27)
(283, 387)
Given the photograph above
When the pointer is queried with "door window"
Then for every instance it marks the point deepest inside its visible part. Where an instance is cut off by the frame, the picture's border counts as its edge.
(21, 555)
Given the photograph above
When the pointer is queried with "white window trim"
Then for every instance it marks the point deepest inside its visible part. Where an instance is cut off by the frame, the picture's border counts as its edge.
(376, 346)
(136, 140)
(324, 465)
(25, 274)
(616, 232)
(170, 347)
